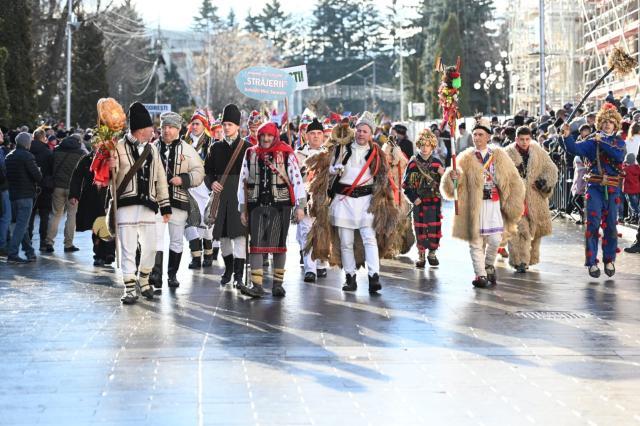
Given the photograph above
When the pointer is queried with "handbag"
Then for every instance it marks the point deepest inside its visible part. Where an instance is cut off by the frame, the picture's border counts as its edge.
(211, 210)
(111, 210)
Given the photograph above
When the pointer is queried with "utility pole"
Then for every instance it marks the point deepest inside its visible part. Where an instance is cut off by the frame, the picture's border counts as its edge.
(208, 95)
(543, 101)
(401, 83)
(373, 87)
(70, 23)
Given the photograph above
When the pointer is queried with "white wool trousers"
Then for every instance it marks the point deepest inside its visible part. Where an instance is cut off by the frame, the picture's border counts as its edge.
(302, 232)
(370, 249)
(484, 250)
(235, 246)
(176, 225)
(136, 224)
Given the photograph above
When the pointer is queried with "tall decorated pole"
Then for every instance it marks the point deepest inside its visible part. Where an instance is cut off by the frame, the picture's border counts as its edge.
(111, 123)
(448, 100)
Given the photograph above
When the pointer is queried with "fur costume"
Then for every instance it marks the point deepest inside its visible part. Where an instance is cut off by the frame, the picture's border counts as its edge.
(466, 225)
(398, 164)
(323, 238)
(536, 223)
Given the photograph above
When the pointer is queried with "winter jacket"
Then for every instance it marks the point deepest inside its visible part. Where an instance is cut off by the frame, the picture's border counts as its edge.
(179, 159)
(44, 160)
(22, 174)
(92, 199)
(4, 185)
(631, 183)
(65, 159)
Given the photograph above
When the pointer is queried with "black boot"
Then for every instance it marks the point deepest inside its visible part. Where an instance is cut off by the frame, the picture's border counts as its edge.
(130, 295)
(172, 270)
(635, 248)
(350, 284)
(238, 272)
(374, 284)
(208, 256)
(521, 268)
(491, 275)
(155, 278)
(228, 269)
(196, 253)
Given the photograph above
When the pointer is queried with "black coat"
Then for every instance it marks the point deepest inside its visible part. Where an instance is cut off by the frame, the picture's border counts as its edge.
(22, 174)
(92, 199)
(228, 223)
(44, 158)
(65, 159)
(406, 146)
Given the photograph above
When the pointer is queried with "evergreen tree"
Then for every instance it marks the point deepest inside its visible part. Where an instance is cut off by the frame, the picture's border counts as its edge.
(272, 24)
(89, 75)
(207, 20)
(368, 39)
(5, 117)
(231, 19)
(334, 28)
(448, 48)
(174, 91)
(16, 38)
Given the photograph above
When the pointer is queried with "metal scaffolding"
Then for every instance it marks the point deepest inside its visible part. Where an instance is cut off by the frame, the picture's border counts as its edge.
(609, 23)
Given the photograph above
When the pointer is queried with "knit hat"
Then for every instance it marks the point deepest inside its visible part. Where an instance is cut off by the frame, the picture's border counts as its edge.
(139, 117)
(255, 118)
(367, 119)
(427, 138)
(231, 114)
(172, 119)
(315, 125)
(630, 158)
(23, 140)
(608, 112)
(484, 124)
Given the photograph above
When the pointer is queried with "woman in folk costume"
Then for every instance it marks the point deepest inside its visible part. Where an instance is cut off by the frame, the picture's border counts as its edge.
(398, 161)
(270, 186)
(355, 214)
(203, 249)
(603, 153)
(490, 200)
(539, 175)
(421, 186)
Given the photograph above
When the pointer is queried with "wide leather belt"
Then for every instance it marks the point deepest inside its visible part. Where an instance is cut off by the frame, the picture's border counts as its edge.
(358, 191)
(604, 180)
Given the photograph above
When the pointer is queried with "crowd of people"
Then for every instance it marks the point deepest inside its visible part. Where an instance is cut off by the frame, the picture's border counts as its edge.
(357, 188)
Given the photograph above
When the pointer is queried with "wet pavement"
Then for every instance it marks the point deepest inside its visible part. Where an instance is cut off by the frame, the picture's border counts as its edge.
(550, 347)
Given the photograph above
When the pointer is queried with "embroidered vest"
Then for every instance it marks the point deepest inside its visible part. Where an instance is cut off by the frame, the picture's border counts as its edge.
(266, 184)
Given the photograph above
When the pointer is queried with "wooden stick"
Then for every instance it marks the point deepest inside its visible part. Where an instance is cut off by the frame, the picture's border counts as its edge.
(115, 216)
(286, 110)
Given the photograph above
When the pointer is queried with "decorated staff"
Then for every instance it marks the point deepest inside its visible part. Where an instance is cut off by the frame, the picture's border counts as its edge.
(111, 122)
(448, 101)
(618, 61)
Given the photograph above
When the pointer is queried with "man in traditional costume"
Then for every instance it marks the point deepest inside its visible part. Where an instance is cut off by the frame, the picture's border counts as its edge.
(352, 202)
(203, 249)
(184, 170)
(398, 160)
(270, 186)
(421, 186)
(228, 228)
(603, 153)
(314, 137)
(139, 201)
(539, 175)
(490, 199)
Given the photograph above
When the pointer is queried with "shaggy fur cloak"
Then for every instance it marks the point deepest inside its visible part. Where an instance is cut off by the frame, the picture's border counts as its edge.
(466, 225)
(323, 237)
(397, 165)
(524, 245)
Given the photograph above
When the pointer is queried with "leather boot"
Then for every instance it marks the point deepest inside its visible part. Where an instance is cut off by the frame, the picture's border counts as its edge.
(145, 288)
(238, 272)
(172, 270)
(196, 253)
(130, 295)
(374, 284)
(350, 284)
(254, 287)
(155, 278)
(278, 280)
(228, 269)
(208, 257)
(421, 259)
